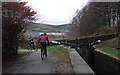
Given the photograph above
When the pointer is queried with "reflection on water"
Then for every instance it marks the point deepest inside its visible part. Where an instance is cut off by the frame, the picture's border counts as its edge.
(53, 33)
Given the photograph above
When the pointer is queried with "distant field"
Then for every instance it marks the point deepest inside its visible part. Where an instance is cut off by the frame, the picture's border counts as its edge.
(48, 28)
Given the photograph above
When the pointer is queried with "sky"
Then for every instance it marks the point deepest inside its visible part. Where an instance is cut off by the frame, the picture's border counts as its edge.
(55, 12)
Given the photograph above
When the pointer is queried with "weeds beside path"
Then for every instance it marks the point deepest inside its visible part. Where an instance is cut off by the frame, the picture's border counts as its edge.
(64, 63)
(110, 47)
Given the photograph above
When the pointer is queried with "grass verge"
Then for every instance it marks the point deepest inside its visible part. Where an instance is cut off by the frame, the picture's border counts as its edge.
(64, 63)
(109, 46)
(59, 50)
(111, 51)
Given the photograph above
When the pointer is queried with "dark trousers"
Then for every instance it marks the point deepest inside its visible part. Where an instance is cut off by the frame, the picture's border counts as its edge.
(44, 46)
(32, 43)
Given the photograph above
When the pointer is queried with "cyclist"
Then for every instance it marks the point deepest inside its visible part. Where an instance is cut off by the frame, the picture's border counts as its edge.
(43, 39)
(32, 42)
(29, 41)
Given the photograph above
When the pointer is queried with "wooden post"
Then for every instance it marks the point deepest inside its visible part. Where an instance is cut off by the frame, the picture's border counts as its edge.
(76, 40)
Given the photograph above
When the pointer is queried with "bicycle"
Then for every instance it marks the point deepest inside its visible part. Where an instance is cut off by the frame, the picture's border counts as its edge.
(43, 50)
(32, 47)
(42, 54)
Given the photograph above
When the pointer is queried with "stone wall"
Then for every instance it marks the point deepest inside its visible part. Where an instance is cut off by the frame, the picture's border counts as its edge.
(99, 61)
(105, 63)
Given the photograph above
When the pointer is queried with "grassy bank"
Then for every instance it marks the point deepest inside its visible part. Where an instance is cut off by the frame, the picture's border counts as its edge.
(109, 46)
(58, 50)
(64, 64)
(110, 51)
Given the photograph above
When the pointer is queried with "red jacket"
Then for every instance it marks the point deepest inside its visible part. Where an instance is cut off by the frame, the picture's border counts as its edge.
(45, 37)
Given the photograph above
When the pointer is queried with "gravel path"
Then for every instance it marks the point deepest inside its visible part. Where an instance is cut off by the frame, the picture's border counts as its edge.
(31, 63)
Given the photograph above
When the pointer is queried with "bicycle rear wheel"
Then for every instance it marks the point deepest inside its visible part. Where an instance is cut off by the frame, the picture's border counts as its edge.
(42, 54)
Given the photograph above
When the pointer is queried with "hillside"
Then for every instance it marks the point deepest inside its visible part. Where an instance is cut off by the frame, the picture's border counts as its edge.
(47, 28)
(109, 46)
(112, 43)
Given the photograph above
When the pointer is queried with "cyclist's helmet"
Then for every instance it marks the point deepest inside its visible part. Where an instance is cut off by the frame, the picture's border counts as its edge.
(44, 33)
(41, 34)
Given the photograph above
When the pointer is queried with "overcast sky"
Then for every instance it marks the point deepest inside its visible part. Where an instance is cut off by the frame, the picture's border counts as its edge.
(56, 11)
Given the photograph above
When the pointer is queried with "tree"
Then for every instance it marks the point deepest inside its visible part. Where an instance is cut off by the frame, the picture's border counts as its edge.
(93, 16)
(86, 20)
(15, 17)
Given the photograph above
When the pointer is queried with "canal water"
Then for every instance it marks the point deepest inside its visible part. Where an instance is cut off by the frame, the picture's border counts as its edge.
(36, 34)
